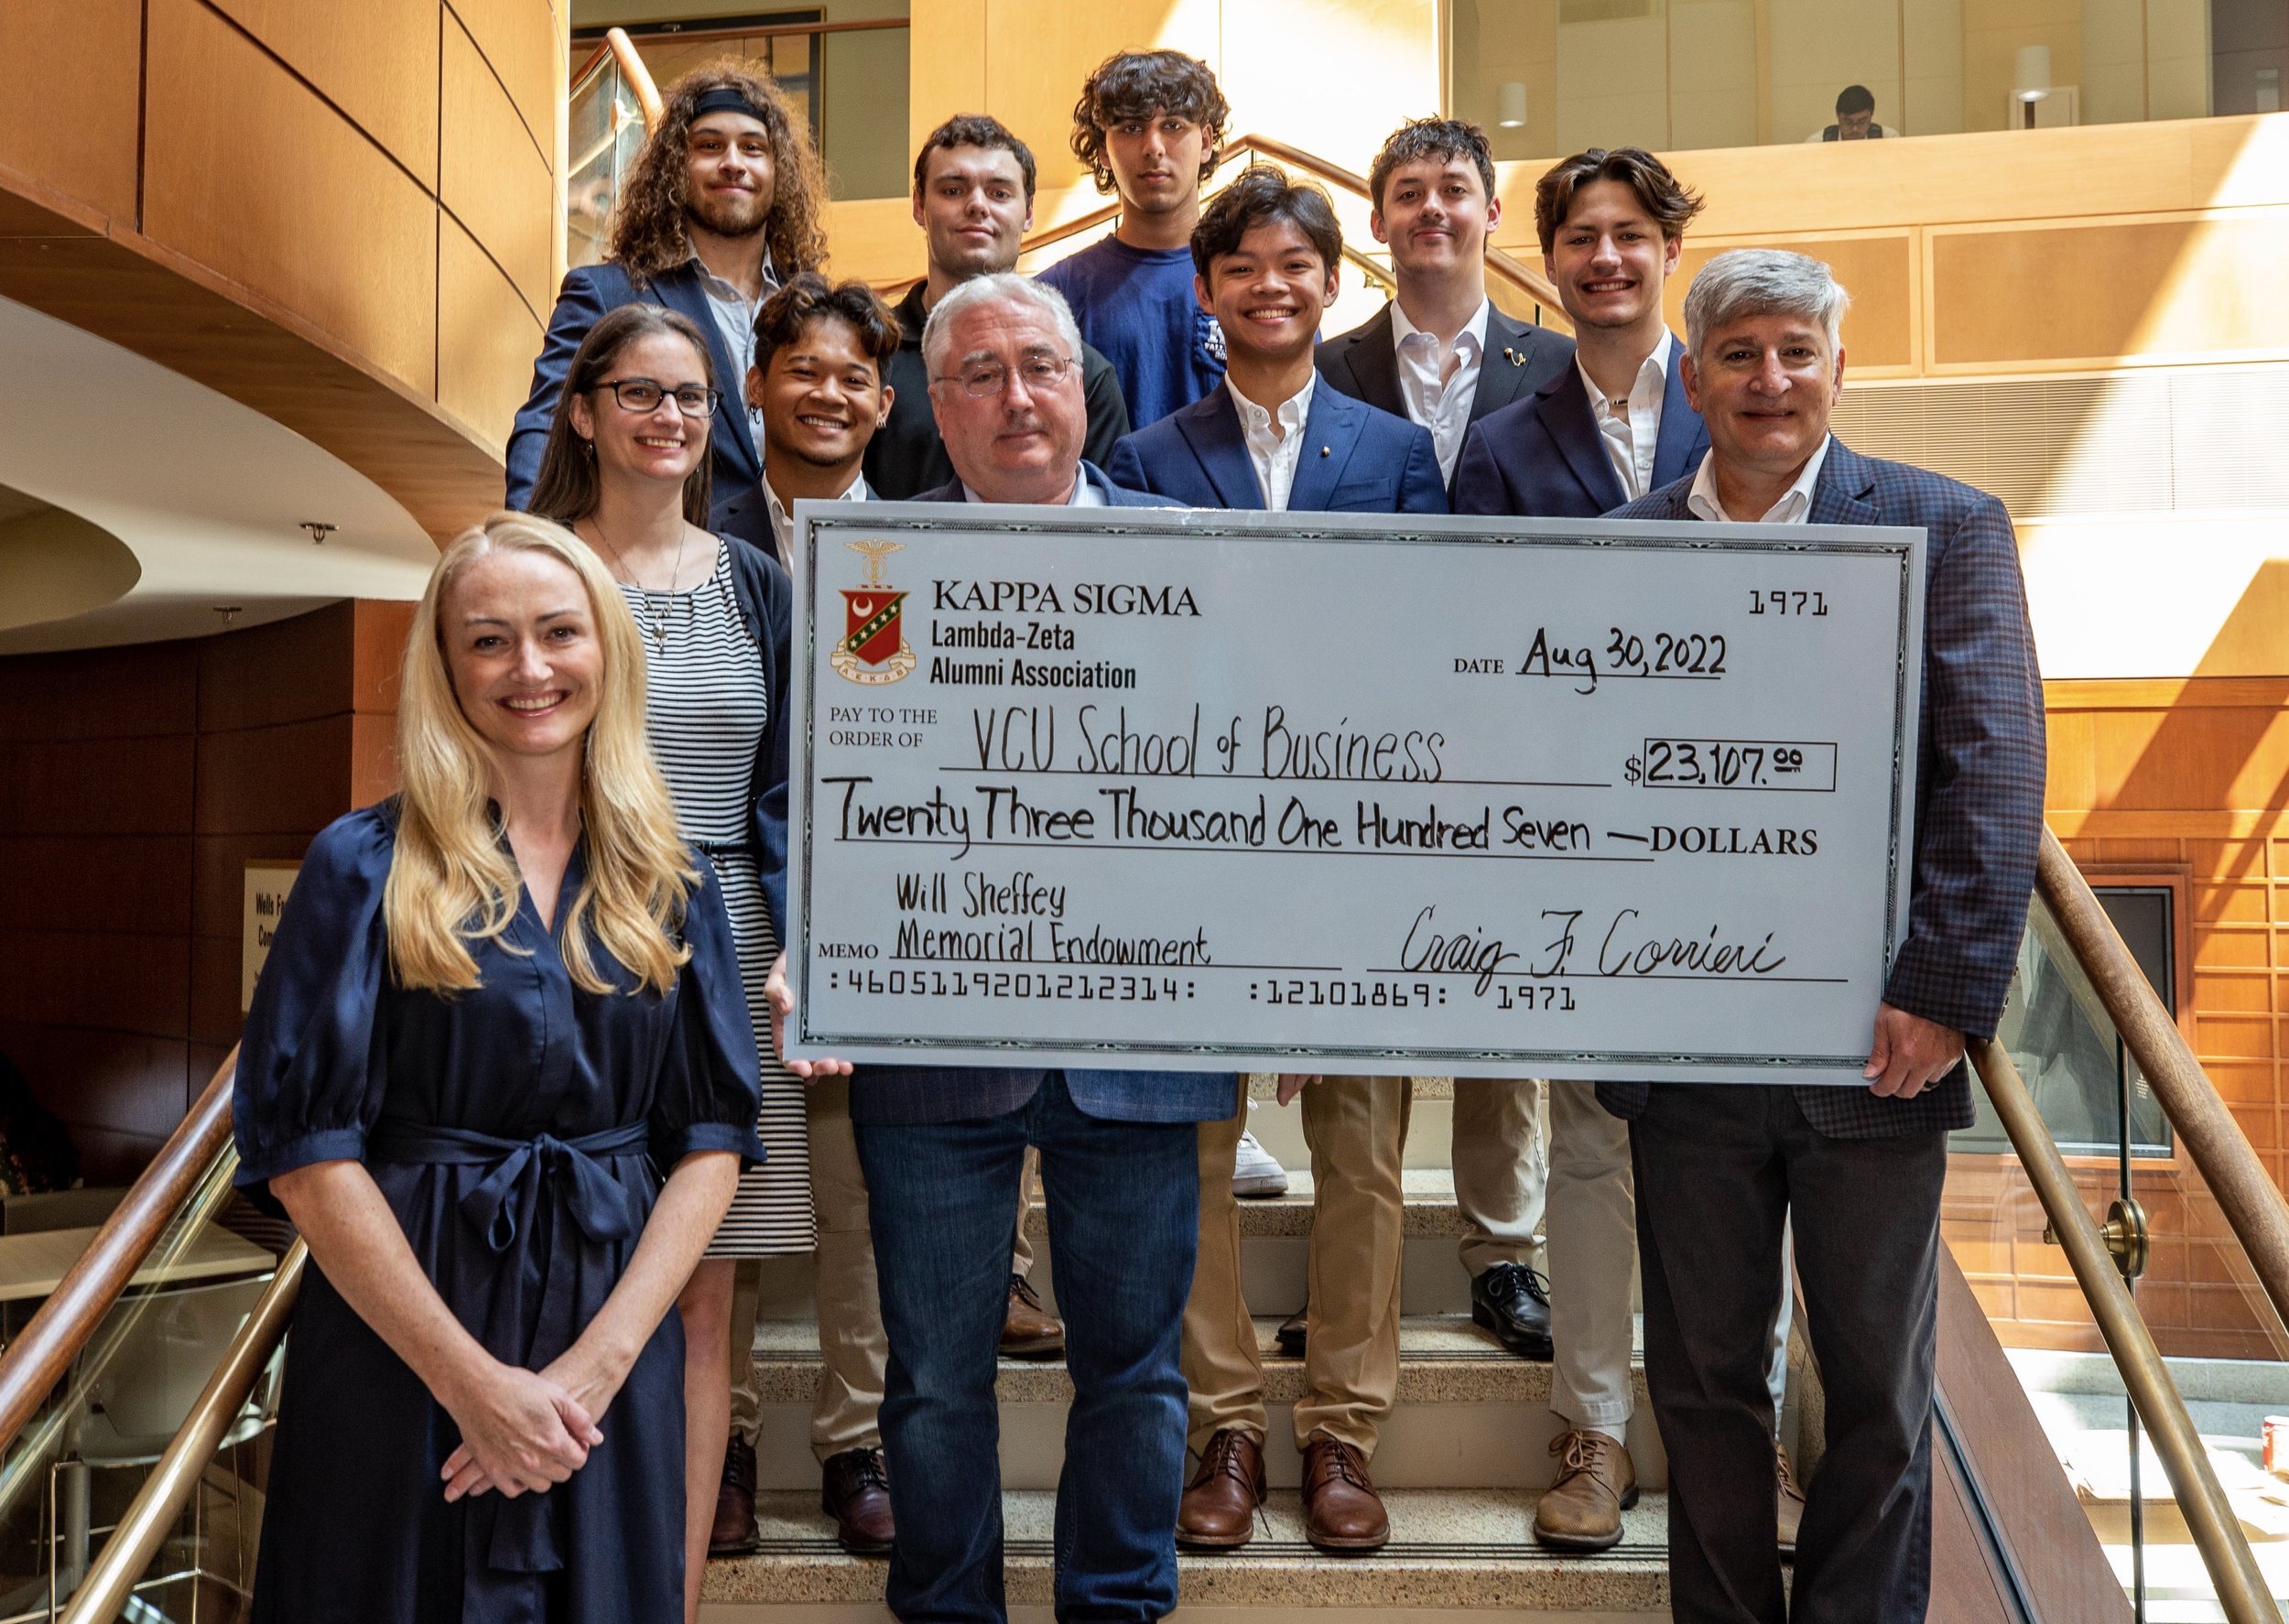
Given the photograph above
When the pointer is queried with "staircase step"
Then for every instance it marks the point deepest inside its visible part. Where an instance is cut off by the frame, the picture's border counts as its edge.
(1469, 1413)
(1449, 1548)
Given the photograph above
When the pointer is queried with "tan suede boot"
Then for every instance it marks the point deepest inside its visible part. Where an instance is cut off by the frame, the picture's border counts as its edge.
(1790, 1506)
(1596, 1483)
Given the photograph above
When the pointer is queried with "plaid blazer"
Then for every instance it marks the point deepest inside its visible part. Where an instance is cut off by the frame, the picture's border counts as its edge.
(1978, 774)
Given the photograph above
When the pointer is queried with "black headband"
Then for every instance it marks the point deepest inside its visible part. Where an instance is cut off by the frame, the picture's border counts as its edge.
(724, 99)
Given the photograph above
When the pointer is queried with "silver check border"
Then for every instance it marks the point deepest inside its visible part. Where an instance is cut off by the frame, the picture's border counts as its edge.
(816, 523)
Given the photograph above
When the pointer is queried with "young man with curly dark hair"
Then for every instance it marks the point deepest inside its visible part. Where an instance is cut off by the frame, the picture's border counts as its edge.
(1148, 125)
(722, 205)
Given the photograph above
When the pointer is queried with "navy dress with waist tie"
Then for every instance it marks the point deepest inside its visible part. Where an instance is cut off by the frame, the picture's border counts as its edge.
(519, 1131)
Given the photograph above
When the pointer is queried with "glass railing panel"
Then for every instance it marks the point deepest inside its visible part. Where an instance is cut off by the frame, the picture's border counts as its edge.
(1674, 75)
(78, 1464)
(604, 127)
(843, 69)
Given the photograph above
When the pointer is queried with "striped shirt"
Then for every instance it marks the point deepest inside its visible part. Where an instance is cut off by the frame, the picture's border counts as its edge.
(706, 708)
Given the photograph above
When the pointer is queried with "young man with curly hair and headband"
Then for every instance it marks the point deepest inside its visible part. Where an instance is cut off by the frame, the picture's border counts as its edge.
(722, 205)
(1148, 125)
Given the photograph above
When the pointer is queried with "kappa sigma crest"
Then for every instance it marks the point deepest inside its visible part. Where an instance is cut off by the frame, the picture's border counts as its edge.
(874, 647)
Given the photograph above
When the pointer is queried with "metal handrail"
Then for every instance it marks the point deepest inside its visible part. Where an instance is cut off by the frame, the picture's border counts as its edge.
(38, 1359)
(2246, 1194)
(111, 1578)
(638, 76)
(2225, 1552)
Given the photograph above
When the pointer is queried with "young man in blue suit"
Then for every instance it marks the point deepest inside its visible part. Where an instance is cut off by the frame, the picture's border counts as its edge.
(1616, 423)
(1271, 436)
(1264, 257)
(722, 205)
(942, 1147)
(1721, 1166)
(1603, 430)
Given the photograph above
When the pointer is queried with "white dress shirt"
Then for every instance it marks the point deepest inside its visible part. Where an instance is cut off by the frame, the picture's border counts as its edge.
(782, 522)
(1632, 433)
(1275, 442)
(1439, 382)
(734, 315)
(1084, 493)
(1794, 506)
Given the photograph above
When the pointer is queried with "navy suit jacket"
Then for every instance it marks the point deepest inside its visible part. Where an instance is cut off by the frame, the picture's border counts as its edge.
(1355, 460)
(1978, 774)
(1543, 457)
(884, 1096)
(589, 292)
(1365, 362)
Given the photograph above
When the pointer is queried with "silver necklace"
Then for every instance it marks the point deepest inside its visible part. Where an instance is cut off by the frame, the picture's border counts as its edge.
(663, 614)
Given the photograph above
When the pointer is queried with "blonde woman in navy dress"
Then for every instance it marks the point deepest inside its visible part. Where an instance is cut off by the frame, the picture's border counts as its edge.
(626, 468)
(497, 1003)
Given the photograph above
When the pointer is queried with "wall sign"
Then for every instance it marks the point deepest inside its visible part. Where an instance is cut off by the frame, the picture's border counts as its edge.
(267, 883)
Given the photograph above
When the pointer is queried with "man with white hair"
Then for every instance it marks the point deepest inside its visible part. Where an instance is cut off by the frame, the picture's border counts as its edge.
(942, 1146)
(1721, 1167)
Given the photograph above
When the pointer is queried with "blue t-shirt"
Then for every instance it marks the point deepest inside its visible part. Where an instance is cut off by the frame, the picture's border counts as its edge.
(1136, 307)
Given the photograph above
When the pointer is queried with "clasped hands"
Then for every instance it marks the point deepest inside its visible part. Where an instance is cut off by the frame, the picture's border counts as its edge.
(525, 1430)
(1906, 1056)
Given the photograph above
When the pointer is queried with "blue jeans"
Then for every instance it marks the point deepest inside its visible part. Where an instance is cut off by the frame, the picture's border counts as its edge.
(1123, 1202)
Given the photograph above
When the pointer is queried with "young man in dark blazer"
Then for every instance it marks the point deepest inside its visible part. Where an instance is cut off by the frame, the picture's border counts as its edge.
(942, 1147)
(1721, 1166)
(973, 186)
(722, 205)
(1273, 437)
(1439, 352)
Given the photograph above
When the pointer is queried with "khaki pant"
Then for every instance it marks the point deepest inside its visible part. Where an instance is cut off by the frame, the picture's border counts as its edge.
(1502, 1170)
(853, 1351)
(1356, 1128)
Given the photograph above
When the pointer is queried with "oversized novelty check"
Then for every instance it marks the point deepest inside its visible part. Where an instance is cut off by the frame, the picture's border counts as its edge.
(1133, 787)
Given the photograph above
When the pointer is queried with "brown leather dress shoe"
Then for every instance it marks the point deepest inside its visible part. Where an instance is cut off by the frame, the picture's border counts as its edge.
(1219, 1509)
(1789, 1508)
(1342, 1514)
(855, 1491)
(1596, 1483)
(732, 1533)
(1030, 1331)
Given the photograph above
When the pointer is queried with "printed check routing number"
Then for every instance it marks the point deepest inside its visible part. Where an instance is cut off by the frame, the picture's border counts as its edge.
(1183, 789)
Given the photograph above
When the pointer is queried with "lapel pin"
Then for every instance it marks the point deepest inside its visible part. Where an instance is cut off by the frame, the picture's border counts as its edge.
(1515, 359)
(1327, 451)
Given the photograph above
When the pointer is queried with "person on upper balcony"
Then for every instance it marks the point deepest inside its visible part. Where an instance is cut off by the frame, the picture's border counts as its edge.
(973, 186)
(1722, 1166)
(722, 204)
(1148, 125)
(1440, 351)
(1855, 119)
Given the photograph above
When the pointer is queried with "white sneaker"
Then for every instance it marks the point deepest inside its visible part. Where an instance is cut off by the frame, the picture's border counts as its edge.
(1255, 1170)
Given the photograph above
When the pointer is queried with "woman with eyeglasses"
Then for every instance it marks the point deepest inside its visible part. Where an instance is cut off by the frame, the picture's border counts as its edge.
(626, 469)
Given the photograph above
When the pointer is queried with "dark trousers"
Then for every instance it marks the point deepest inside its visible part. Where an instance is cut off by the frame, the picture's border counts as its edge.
(1124, 1205)
(1719, 1168)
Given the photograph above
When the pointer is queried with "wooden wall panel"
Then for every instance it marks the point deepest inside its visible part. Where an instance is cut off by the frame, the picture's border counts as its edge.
(487, 345)
(492, 175)
(1037, 53)
(62, 881)
(65, 786)
(947, 74)
(67, 121)
(520, 39)
(376, 60)
(260, 181)
(1877, 269)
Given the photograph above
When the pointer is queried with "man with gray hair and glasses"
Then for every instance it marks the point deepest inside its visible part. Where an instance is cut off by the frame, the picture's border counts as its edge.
(941, 1146)
(1721, 1167)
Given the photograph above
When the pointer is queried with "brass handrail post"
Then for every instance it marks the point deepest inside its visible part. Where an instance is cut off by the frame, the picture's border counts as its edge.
(111, 1576)
(2241, 1588)
(2245, 1193)
(638, 76)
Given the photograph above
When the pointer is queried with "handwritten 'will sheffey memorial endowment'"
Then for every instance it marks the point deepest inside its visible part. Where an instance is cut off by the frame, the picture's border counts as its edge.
(1302, 792)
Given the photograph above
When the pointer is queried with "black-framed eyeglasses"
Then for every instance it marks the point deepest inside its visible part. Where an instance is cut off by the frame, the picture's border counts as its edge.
(644, 394)
(985, 379)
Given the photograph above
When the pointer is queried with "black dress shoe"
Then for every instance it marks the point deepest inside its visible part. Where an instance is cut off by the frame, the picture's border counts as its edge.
(1291, 1337)
(1514, 1302)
